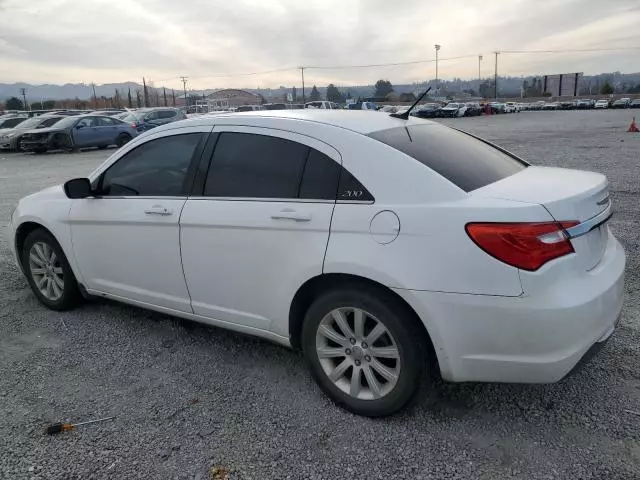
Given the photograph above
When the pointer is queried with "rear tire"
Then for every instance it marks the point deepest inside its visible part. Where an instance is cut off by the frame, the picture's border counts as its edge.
(122, 139)
(48, 271)
(373, 370)
(40, 150)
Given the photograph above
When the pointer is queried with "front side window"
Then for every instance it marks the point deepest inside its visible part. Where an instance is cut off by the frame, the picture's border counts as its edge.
(87, 122)
(156, 168)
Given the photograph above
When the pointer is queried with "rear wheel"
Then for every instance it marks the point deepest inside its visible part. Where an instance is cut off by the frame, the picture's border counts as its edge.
(122, 139)
(40, 149)
(48, 272)
(364, 351)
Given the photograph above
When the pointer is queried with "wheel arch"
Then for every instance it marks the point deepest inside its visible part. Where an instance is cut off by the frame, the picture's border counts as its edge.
(23, 230)
(316, 286)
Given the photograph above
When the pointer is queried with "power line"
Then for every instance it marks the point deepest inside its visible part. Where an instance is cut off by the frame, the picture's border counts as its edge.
(394, 64)
(613, 49)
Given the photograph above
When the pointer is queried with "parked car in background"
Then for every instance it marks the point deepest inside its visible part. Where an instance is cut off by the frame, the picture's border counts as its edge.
(11, 122)
(427, 110)
(403, 250)
(249, 108)
(566, 105)
(74, 132)
(602, 104)
(551, 106)
(145, 119)
(510, 107)
(323, 105)
(497, 107)
(275, 106)
(621, 103)
(473, 109)
(585, 103)
(635, 103)
(362, 106)
(453, 109)
(10, 139)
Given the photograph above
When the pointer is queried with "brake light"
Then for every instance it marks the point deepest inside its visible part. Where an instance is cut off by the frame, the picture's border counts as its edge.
(134, 125)
(527, 246)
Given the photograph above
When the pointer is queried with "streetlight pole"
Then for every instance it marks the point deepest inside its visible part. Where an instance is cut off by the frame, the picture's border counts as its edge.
(495, 78)
(437, 50)
(479, 73)
(184, 87)
(302, 71)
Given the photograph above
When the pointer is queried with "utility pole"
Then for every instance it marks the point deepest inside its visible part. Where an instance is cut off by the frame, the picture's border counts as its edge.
(146, 94)
(302, 71)
(23, 92)
(184, 86)
(437, 50)
(164, 94)
(479, 74)
(173, 95)
(95, 98)
(495, 77)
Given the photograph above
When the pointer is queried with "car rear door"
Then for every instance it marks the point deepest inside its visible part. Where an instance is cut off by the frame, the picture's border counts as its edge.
(86, 132)
(257, 226)
(107, 130)
(126, 239)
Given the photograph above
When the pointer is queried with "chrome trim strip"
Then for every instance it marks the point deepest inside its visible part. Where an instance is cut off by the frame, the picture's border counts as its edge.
(590, 224)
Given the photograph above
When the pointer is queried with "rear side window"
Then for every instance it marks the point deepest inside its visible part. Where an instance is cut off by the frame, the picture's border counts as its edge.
(463, 160)
(48, 122)
(255, 166)
(166, 113)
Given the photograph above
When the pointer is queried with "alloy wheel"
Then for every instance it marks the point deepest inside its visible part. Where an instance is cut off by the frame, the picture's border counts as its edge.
(358, 353)
(46, 271)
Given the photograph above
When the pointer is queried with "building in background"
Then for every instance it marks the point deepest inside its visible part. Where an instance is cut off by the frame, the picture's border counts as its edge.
(232, 98)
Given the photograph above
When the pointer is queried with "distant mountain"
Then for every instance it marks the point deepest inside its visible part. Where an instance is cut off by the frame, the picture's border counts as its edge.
(508, 86)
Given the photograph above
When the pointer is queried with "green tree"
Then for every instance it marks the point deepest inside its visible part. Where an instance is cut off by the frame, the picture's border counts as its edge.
(294, 94)
(334, 94)
(315, 94)
(13, 103)
(606, 89)
(130, 101)
(383, 88)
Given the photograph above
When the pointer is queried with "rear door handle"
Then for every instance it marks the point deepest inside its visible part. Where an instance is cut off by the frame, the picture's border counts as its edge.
(158, 210)
(290, 214)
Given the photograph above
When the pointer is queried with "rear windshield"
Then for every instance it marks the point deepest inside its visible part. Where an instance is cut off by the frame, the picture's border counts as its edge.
(458, 157)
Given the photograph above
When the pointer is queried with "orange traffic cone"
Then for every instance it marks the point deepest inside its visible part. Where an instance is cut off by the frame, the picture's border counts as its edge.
(633, 128)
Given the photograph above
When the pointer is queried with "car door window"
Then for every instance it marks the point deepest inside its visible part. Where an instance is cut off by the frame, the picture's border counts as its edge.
(320, 178)
(166, 114)
(255, 166)
(87, 122)
(105, 122)
(48, 122)
(156, 168)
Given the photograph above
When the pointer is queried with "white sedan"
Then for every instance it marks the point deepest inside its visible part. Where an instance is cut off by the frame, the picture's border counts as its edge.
(386, 249)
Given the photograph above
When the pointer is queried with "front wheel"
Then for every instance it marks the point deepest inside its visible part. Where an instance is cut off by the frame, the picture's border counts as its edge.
(364, 351)
(48, 271)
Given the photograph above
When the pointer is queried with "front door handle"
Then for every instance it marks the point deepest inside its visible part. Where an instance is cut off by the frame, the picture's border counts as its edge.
(290, 214)
(158, 210)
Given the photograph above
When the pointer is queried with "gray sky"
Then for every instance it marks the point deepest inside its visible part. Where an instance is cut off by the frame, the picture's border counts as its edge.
(103, 41)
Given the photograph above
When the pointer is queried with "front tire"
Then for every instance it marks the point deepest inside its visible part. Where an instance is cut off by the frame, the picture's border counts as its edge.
(364, 350)
(48, 271)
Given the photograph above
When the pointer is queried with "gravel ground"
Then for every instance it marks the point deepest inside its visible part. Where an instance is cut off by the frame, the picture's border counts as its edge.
(190, 397)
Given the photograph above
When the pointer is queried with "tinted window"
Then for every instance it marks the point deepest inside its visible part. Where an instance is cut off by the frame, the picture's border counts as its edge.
(156, 168)
(320, 178)
(351, 189)
(88, 122)
(49, 121)
(166, 114)
(460, 158)
(11, 122)
(256, 166)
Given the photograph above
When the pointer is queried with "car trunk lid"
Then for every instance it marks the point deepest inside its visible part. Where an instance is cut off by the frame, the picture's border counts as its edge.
(567, 195)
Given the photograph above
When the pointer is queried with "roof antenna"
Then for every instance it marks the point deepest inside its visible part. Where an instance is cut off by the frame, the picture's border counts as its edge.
(405, 115)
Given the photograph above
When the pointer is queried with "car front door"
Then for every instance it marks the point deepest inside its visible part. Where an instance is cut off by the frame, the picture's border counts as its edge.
(86, 132)
(260, 225)
(107, 130)
(126, 238)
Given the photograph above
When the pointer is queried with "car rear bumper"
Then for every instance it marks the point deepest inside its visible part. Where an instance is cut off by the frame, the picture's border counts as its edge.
(527, 339)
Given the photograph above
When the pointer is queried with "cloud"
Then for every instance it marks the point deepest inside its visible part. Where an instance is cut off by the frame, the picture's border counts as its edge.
(46, 41)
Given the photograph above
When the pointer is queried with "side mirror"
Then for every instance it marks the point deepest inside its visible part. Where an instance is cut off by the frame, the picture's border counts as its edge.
(80, 125)
(78, 188)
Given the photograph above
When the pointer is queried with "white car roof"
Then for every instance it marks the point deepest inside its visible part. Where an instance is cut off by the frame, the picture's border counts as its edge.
(360, 121)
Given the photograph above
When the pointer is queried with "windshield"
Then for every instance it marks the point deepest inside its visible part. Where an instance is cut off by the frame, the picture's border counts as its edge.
(463, 160)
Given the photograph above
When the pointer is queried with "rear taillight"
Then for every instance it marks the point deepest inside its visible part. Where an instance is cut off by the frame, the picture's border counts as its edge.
(134, 125)
(523, 245)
